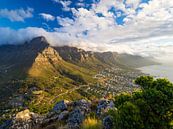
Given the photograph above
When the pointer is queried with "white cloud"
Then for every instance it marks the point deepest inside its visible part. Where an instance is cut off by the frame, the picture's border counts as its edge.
(147, 32)
(133, 3)
(64, 3)
(17, 14)
(47, 17)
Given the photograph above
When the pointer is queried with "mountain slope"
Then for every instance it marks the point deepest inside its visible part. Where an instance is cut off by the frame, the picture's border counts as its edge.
(37, 74)
(135, 61)
(82, 58)
(37, 65)
(100, 60)
(15, 62)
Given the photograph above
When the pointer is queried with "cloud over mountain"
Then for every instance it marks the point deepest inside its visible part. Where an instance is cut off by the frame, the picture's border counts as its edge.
(133, 26)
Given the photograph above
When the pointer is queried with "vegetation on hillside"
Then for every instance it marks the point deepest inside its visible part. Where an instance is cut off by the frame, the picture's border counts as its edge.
(149, 108)
(92, 123)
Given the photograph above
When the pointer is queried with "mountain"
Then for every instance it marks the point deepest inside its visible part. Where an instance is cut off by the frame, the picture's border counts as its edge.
(80, 57)
(38, 65)
(15, 62)
(102, 59)
(135, 61)
(36, 74)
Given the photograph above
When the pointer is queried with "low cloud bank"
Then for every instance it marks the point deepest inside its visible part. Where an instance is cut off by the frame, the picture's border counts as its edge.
(145, 29)
(161, 48)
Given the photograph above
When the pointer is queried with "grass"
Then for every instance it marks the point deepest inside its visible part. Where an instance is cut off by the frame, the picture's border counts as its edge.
(92, 123)
(46, 75)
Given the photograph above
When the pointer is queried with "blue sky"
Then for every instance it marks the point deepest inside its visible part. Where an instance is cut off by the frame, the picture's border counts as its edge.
(141, 27)
(49, 7)
(39, 6)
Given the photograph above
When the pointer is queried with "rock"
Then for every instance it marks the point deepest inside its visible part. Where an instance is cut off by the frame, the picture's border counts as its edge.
(17, 101)
(60, 106)
(23, 115)
(63, 115)
(50, 118)
(26, 120)
(111, 104)
(103, 106)
(6, 124)
(107, 122)
(75, 119)
(83, 105)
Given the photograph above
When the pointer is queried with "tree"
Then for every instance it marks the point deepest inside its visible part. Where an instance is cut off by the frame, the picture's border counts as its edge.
(149, 108)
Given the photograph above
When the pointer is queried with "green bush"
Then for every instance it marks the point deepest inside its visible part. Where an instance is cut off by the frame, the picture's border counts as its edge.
(150, 108)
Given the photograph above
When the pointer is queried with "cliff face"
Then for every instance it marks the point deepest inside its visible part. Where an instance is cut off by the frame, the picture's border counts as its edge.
(38, 61)
(45, 61)
(73, 54)
(52, 70)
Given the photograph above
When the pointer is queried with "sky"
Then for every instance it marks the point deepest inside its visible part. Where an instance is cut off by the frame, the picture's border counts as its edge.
(142, 27)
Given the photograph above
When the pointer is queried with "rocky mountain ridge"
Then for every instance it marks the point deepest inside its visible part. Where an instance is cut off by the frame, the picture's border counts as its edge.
(36, 75)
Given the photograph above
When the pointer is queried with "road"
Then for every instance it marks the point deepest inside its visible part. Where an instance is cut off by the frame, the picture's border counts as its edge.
(69, 91)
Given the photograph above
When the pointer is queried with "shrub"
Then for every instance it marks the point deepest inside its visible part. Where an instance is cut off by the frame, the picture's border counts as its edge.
(92, 123)
(150, 108)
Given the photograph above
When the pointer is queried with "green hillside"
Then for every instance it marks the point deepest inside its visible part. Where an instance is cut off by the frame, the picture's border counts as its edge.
(37, 75)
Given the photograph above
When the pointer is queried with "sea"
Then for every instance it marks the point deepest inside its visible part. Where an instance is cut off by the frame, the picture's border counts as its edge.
(159, 71)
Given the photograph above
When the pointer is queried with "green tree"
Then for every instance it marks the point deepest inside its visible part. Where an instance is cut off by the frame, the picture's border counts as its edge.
(149, 108)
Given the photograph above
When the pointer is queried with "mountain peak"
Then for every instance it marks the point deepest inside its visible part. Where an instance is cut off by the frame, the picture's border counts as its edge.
(38, 43)
(39, 39)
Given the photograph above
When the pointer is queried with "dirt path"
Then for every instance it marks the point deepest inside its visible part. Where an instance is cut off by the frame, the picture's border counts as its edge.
(69, 91)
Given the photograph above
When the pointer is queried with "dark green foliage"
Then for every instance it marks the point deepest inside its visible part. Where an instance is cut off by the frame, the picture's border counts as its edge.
(145, 81)
(76, 78)
(121, 99)
(150, 108)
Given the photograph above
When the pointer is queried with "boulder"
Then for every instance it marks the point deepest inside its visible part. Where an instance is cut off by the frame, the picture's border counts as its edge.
(75, 119)
(26, 120)
(107, 122)
(63, 115)
(60, 106)
(83, 105)
(23, 115)
(103, 106)
(6, 124)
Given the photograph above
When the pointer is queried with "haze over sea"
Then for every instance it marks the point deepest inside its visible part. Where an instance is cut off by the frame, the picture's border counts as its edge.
(165, 71)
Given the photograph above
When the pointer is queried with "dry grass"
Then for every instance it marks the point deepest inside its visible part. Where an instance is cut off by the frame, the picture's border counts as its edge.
(92, 123)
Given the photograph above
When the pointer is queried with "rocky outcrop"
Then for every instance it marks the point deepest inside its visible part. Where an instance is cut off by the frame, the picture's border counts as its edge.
(73, 54)
(103, 106)
(75, 119)
(60, 106)
(26, 120)
(70, 113)
(107, 122)
(83, 105)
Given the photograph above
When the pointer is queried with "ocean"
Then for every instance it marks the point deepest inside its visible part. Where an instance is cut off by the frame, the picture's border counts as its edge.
(162, 71)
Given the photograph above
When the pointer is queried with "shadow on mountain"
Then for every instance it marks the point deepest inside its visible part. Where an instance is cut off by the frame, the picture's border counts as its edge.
(15, 62)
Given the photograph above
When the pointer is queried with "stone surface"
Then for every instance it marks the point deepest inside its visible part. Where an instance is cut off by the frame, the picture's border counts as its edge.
(6, 124)
(103, 106)
(75, 119)
(23, 115)
(60, 106)
(26, 120)
(63, 115)
(83, 105)
(107, 122)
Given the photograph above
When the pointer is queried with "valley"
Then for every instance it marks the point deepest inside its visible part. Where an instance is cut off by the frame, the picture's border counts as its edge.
(35, 75)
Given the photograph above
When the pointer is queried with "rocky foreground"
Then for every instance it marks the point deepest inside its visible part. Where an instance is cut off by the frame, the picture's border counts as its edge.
(69, 115)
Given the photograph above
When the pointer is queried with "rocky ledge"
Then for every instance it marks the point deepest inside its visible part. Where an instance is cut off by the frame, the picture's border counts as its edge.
(71, 114)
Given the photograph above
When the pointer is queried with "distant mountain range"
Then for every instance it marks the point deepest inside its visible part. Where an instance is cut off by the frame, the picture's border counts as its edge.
(54, 69)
